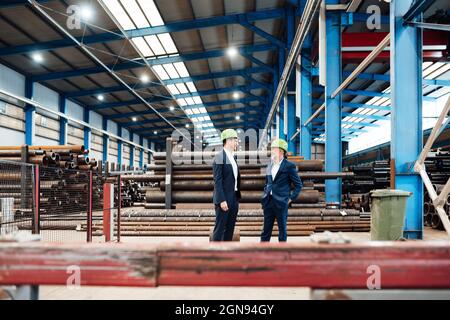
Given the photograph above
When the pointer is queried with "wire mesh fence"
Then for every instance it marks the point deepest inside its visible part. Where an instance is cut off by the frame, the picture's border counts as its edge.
(61, 205)
(16, 198)
(64, 196)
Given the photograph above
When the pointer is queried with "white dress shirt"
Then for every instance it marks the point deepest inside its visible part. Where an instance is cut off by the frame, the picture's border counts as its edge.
(234, 165)
(275, 168)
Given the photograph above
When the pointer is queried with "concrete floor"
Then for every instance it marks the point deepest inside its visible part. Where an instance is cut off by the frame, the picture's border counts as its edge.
(202, 293)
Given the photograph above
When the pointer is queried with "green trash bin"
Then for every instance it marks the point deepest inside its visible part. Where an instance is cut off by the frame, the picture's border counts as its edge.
(388, 210)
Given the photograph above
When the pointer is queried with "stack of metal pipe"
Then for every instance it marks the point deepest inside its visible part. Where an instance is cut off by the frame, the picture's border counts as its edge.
(199, 222)
(63, 156)
(193, 183)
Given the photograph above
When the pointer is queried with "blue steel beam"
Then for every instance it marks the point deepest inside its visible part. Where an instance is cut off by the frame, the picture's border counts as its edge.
(87, 130)
(221, 103)
(62, 120)
(291, 99)
(138, 113)
(141, 152)
(131, 151)
(30, 113)
(333, 116)
(356, 105)
(208, 76)
(262, 33)
(366, 93)
(208, 22)
(322, 128)
(153, 121)
(105, 140)
(119, 147)
(257, 62)
(167, 28)
(261, 84)
(233, 122)
(109, 105)
(281, 128)
(406, 83)
(244, 51)
(305, 98)
(417, 8)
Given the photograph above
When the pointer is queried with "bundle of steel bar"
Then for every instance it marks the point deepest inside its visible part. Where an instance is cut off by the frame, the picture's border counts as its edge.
(63, 156)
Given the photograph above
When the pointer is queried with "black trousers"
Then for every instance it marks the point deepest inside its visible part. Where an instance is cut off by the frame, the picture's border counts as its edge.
(226, 220)
(272, 212)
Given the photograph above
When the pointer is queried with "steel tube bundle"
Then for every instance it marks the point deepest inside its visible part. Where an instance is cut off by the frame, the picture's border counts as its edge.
(64, 156)
(205, 197)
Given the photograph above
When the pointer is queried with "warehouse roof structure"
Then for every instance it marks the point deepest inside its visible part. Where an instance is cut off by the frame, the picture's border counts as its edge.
(208, 64)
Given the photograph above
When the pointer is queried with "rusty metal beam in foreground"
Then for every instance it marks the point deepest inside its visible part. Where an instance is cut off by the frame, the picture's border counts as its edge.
(416, 265)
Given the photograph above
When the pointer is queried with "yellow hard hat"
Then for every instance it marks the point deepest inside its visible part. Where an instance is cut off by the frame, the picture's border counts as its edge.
(279, 143)
(228, 133)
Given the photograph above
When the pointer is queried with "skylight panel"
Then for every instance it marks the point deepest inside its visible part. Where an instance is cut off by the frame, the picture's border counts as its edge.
(188, 111)
(173, 89)
(198, 100)
(135, 13)
(182, 88)
(156, 46)
(161, 72)
(170, 69)
(151, 12)
(191, 87)
(182, 102)
(195, 110)
(439, 71)
(143, 47)
(190, 101)
(203, 110)
(167, 43)
(432, 68)
(119, 14)
(182, 70)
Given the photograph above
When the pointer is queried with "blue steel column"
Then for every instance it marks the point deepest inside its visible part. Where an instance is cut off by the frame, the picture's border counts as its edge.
(406, 95)
(281, 60)
(119, 147)
(30, 114)
(306, 99)
(333, 144)
(291, 125)
(62, 121)
(131, 150)
(141, 152)
(105, 140)
(87, 130)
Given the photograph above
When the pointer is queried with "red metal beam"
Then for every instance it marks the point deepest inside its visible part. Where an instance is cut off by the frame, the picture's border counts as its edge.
(402, 265)
(358, 56)
(372, 39)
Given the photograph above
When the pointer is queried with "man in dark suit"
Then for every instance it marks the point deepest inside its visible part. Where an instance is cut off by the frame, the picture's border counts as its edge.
(281, 175)
(227, 181)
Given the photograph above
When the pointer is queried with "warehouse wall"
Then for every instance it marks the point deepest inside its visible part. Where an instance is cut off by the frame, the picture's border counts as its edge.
(47, 124)
(12, 123)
